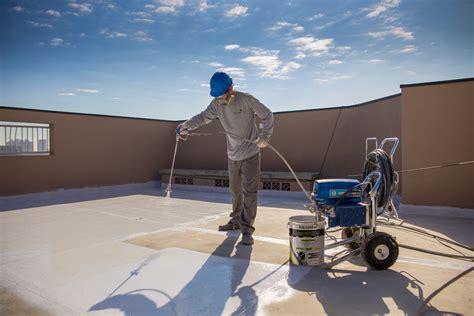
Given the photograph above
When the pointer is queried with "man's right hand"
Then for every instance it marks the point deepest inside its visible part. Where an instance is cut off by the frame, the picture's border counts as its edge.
(180, 129)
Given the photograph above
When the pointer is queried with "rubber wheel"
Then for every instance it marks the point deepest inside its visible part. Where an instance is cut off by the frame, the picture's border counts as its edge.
(380, 250)
(348, 232)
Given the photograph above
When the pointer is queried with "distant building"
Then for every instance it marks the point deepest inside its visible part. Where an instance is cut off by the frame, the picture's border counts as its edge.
(43, 145)
(17, 146)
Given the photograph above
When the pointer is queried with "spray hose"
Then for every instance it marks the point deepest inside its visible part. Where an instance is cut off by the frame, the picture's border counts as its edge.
(168, 188)
(185, 135)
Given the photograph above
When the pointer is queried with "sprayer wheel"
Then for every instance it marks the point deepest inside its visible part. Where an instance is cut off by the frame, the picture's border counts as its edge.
(348, 232)
(380, 250)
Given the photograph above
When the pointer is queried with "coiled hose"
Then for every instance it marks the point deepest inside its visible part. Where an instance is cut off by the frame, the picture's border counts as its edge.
(379, 160)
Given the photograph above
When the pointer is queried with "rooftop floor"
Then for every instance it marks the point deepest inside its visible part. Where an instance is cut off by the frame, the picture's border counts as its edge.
(144, 254)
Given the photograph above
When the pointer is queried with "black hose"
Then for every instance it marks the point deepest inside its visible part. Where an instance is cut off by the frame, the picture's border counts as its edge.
(379, 160)
(451, 281)
(424, 232)
(436, 253)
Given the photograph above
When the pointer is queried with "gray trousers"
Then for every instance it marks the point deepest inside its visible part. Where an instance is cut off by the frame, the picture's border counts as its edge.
(244, 179)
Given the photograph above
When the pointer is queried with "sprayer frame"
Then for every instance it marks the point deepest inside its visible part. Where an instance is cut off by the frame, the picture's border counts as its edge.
(374, 178)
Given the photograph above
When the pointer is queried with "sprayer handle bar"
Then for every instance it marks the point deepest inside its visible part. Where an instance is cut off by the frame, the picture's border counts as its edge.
(367, 144)
(395, 141)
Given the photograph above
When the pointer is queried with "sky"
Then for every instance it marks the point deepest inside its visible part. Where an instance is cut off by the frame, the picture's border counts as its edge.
(153, 59)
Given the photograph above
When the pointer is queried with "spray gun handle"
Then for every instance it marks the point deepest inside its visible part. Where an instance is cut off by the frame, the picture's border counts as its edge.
(181, 131)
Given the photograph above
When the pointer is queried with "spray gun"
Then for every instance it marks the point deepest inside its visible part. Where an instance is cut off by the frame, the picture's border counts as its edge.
(179, 132)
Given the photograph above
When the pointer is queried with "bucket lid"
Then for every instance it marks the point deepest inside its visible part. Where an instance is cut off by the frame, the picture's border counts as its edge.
(306, 219)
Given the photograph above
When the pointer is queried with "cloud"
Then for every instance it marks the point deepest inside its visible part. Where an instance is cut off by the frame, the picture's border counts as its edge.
(231, 47)
(66, 94)
(409, 49)
(391, 19)
(335, 62)
(292, 26)
(109, 4)
(146, 21)
(18, 8)
(233, 71)
(300, 55)
(215, 64)
(36, 24)
(171, 3)
(142, 36)
(168, 6)
(315, 17)
(236, 11)
(140, 14)
(53, 13)
(83, 7)
(401, 33)
(112, 34)
(267, 62)
(165, 10)
(311, 45)
(343, 49)
(382, 7)
(376, 61)
(87, 90)
(332, 77)
(205, 85)
(56, 41)
(204, 6)
(270, 66)
(396, 31)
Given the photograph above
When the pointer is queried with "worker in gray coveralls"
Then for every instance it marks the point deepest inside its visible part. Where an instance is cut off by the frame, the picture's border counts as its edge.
(236, 112)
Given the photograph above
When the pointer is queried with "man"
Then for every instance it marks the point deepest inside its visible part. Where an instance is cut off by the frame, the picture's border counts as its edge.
(236, 112)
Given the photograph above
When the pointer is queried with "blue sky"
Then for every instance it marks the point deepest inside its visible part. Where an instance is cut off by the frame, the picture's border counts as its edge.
(154, 58)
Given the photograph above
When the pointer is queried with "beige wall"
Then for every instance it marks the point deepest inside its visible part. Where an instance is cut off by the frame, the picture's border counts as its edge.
(438, 129)
(89, 150)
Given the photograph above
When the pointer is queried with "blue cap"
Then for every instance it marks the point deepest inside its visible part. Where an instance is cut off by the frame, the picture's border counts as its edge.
(220, 83)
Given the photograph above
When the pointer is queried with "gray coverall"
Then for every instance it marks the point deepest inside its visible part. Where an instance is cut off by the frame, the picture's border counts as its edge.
(239, 119)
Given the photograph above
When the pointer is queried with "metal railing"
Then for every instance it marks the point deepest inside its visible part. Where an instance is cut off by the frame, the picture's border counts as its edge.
(24, 139)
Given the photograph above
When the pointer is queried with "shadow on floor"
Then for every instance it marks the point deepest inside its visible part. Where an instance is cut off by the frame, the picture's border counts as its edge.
(205, 294)
(342, 292)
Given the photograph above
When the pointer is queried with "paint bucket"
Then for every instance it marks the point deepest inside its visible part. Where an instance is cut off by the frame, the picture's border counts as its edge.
(306, 240)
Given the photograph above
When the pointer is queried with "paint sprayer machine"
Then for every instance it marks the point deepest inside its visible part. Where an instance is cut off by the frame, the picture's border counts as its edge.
(352, 207)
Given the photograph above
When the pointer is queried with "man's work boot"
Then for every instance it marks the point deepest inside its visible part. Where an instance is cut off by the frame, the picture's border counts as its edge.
(229, 226)
(247, 239)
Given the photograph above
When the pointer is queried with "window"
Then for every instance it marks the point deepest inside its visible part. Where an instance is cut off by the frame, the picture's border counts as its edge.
(22, 138)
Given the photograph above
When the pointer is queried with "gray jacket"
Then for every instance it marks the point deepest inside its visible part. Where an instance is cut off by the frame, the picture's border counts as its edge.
(238, 119)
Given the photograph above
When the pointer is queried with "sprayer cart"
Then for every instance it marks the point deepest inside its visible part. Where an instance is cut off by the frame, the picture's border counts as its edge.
(351, 207)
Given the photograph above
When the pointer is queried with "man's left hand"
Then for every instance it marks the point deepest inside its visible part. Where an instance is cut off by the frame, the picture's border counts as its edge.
(261, 143)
